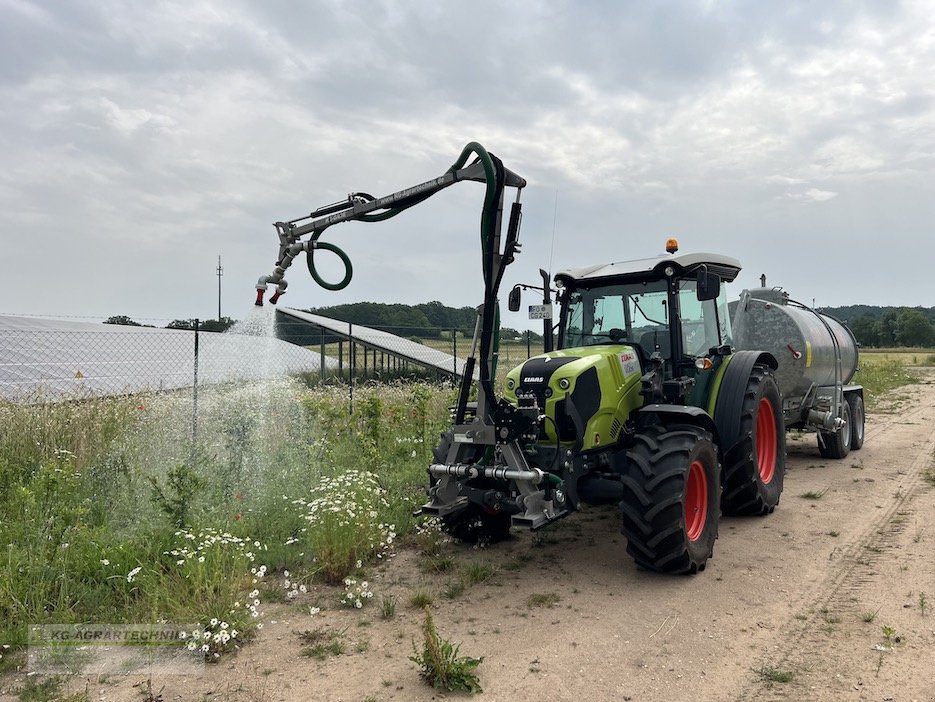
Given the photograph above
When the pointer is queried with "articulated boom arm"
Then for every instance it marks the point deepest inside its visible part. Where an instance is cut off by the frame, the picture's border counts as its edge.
(366, 208)
(486, 168)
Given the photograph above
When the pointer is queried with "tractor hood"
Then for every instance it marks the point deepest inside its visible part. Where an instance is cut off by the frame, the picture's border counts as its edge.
(588, 392)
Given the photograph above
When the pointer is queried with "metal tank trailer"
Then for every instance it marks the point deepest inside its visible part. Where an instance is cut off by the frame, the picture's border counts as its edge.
(817, 357)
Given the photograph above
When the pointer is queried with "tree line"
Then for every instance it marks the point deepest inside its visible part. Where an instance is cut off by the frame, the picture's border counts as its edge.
(209, 325)
(429, 320)
(882, 327)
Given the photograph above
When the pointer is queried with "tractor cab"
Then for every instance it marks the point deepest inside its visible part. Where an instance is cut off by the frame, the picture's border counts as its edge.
(671, 309)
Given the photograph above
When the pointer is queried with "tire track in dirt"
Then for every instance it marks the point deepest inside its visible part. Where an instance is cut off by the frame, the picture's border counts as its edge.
(803, 641)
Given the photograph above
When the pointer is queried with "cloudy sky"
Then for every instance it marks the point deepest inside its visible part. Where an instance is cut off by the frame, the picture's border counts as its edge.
(141, 140)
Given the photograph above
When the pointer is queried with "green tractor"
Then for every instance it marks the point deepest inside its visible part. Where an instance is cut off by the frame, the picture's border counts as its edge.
(644, 403)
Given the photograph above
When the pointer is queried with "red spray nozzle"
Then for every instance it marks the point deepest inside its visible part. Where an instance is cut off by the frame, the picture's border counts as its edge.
(275, 296)
(259, 297)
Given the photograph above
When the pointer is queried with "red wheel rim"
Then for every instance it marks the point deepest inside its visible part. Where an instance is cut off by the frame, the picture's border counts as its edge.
(696, 500)
(766, 440)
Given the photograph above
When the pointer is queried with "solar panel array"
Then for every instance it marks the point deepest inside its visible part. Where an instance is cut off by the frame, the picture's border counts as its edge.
(391, 344)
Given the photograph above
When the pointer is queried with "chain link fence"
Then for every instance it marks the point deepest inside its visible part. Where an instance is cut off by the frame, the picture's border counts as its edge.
(51, 360)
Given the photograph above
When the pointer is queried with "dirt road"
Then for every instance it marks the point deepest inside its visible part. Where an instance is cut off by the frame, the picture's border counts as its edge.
(830, 598)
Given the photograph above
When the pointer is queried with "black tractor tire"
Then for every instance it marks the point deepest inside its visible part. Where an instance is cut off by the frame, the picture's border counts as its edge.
(473, 524)
(754, 447)
(671, 498)
(855, 402)
(837, 444)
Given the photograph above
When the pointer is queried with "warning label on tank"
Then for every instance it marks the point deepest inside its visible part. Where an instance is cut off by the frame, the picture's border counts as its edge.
(629, 363)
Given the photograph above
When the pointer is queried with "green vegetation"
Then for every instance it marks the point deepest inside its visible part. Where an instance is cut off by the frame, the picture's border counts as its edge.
(546, 599)
(439, 662)
(322, 644)
(109, 513)
(774, 675)
(880, 372)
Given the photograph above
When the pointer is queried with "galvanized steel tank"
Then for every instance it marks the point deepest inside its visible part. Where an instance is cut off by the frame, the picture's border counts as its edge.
(801, 339)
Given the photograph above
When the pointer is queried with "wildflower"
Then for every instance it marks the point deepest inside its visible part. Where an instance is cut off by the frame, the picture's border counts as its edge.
(214, 622)
(133, 573)
(104, 561)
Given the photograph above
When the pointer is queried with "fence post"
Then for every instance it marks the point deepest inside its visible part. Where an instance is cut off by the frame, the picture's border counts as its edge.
(321, 363)
(195, 391)
(351, 363)
(528, 343)
(454, 352)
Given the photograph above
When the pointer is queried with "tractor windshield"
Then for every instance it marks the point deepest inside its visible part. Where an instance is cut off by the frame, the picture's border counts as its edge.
(639, 313)
(635, 313)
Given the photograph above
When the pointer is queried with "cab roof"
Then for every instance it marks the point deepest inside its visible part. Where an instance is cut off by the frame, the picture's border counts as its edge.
(685, 264)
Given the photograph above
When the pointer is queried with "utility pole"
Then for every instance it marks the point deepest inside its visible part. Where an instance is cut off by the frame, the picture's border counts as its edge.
(220, 273)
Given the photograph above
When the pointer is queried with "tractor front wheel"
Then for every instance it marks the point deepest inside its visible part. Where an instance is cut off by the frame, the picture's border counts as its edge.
(475, 525)
(671, 498)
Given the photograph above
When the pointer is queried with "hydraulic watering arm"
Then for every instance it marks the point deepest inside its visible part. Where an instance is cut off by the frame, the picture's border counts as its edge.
(495, 255)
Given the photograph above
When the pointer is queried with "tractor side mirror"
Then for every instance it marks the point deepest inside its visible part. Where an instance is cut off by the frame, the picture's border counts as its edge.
(709, 285)
(513, 299)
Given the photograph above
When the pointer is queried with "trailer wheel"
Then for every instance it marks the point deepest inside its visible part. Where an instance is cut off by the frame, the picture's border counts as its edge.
(755, 450)
(855, 403)
(671, 498)
(837, 444)
(473, 524)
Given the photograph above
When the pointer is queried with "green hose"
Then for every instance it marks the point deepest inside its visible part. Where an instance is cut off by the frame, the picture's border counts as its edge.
(310, 260)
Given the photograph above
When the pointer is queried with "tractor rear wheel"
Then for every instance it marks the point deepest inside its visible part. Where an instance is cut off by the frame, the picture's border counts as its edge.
(755, 450)
(837, 444)
(855, 403)
(473, 524)
(671, 498)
